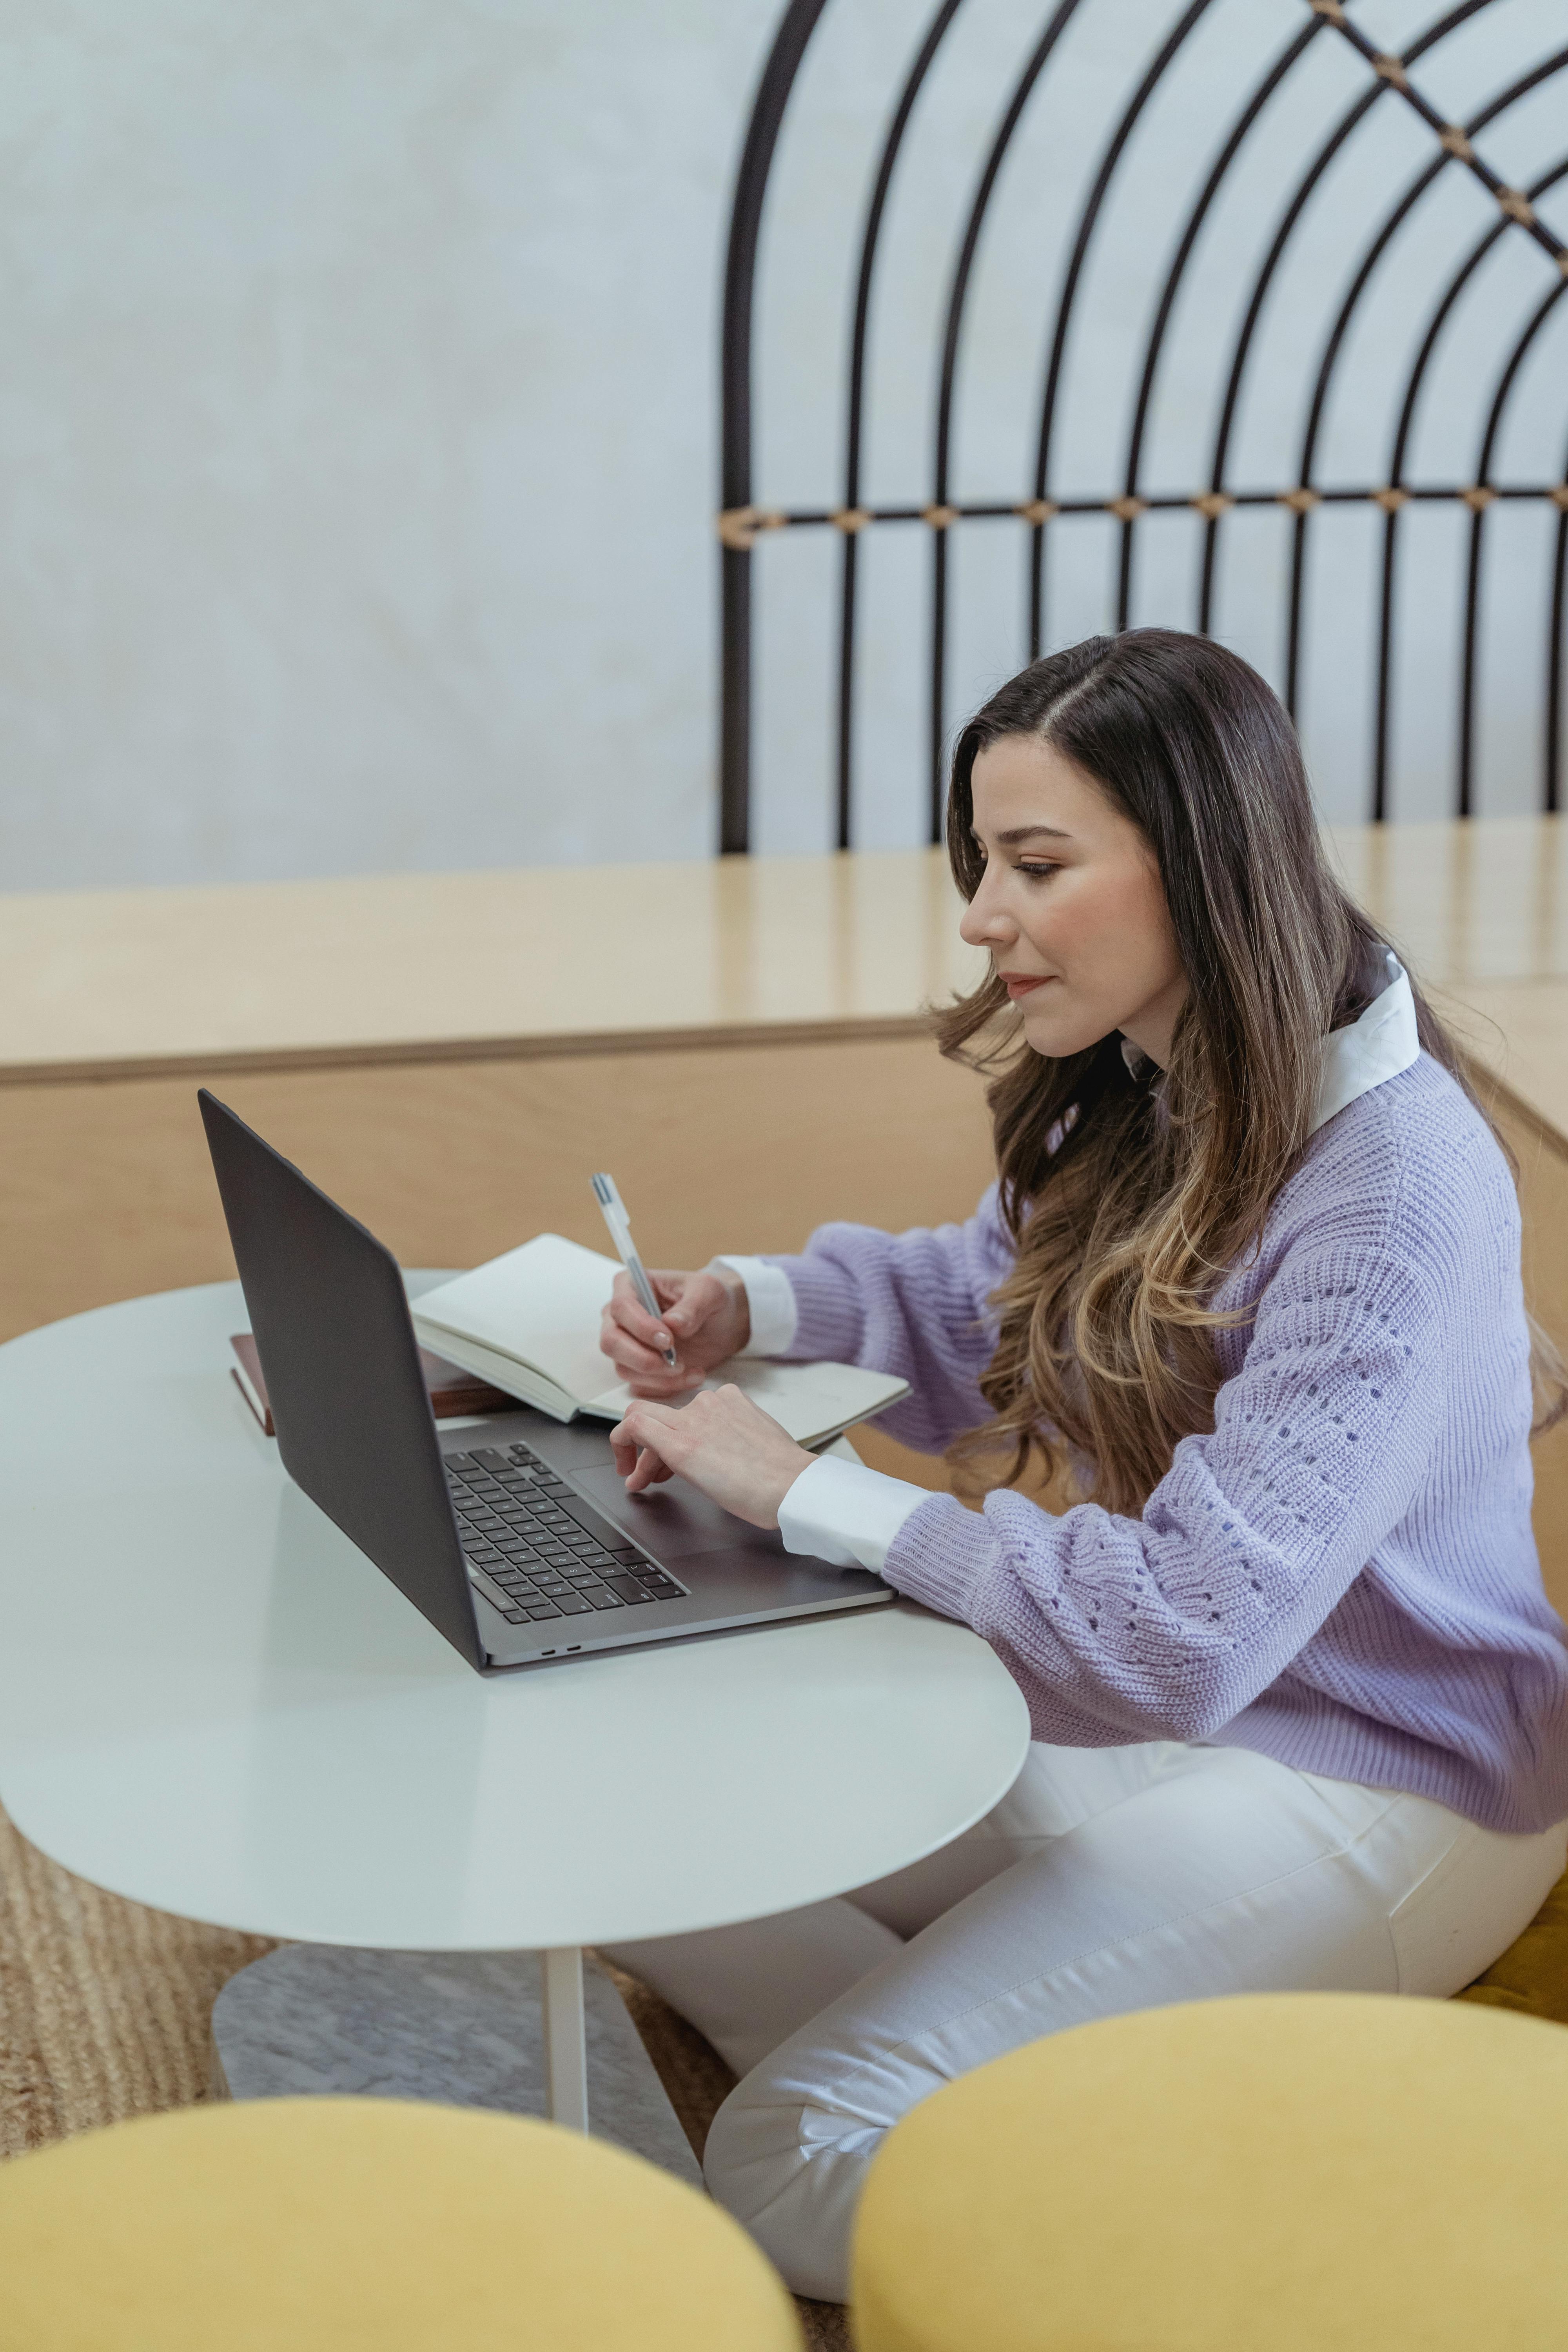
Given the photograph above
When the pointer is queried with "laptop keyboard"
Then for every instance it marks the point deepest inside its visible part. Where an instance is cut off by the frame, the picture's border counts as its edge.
(515, 1518)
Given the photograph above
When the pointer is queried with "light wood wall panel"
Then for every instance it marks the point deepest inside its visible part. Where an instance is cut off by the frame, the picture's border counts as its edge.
(1543, 1200)
(105, 1190)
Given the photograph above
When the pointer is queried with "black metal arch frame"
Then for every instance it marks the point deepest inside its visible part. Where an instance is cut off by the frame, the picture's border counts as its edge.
(741, 522)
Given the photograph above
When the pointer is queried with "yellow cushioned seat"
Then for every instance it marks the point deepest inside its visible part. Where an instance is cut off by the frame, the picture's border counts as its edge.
(1532, 1977)
(1305, 2173)
(369, 2225)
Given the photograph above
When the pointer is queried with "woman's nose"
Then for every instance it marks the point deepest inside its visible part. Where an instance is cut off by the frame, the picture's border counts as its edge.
(983, 923)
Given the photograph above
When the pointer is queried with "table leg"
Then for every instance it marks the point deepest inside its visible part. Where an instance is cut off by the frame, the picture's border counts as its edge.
(565, 2039)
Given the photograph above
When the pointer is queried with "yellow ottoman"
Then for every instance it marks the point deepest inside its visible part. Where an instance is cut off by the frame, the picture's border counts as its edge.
(1315, 2172)
(367, 2225)
(1532, 1977)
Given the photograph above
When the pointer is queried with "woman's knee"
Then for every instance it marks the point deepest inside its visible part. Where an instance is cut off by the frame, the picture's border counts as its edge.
(789, 2166)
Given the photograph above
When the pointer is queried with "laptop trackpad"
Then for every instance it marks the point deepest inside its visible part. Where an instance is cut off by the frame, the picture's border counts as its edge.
(674, 1521)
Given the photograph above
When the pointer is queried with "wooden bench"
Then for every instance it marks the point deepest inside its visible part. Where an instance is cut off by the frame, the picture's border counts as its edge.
(740, 1040)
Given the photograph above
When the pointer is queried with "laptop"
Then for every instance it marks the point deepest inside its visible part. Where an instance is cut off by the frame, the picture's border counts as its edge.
(516, 1540)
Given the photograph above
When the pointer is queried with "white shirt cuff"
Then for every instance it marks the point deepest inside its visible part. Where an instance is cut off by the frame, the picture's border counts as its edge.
(845, 1514)
(771, 1301)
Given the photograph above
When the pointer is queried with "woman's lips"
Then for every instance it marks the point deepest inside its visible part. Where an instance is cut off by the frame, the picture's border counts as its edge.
(1022, 983)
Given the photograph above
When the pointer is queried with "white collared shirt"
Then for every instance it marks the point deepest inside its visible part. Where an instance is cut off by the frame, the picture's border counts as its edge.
(848, 1515)
(1378, 1046)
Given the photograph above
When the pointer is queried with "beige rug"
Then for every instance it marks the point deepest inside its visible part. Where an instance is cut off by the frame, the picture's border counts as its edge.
(104, 2011)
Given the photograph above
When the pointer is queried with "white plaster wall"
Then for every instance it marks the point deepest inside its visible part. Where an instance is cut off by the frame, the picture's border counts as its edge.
(356, 431)
(357, 413)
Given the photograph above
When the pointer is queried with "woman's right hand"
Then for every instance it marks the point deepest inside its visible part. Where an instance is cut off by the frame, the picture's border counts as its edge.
(706, 1319)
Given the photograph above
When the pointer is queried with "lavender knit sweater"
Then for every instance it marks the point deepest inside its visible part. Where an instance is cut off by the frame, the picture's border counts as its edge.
(1343, 1575)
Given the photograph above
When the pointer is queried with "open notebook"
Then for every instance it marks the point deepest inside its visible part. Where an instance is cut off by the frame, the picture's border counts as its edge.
(529, 1323)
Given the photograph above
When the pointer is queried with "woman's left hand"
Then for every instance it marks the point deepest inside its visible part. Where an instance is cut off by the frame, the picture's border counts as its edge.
(730, 1448)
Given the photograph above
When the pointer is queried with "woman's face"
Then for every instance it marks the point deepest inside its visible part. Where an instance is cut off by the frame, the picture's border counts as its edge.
(1070, 905)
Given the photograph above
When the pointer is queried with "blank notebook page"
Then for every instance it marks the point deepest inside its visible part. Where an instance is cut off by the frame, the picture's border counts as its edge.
(539, 1304)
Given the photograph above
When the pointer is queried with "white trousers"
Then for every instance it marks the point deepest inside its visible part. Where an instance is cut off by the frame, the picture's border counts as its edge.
(1106, 1880)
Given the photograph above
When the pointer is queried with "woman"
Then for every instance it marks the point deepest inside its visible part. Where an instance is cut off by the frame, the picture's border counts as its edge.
(1251, 1274)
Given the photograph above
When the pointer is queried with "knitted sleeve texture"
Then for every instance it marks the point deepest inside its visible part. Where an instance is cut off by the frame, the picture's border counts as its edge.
(1340, 1574)
(914, 1303)
(1169, 1625)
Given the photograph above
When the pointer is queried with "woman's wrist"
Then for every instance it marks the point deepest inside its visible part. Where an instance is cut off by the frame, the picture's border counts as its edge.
(740, 1303)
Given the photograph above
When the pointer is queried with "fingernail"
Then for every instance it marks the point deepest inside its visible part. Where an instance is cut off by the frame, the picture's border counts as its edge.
(662, 1340)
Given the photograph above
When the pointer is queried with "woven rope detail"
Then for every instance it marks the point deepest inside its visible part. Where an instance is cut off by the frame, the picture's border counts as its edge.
(739, 526)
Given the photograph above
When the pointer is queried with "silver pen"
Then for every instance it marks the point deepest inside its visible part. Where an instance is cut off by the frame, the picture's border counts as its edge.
(619, 1223)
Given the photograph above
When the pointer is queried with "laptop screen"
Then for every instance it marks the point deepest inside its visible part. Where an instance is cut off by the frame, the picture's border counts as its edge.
(331, 1321)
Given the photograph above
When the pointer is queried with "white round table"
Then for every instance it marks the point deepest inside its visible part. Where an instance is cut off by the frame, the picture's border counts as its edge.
(213, 1703)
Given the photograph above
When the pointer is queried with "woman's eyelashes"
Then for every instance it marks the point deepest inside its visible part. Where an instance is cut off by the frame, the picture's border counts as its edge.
(1036, 868)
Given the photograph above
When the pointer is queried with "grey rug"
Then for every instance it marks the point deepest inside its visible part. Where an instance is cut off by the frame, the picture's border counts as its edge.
(462, 2029)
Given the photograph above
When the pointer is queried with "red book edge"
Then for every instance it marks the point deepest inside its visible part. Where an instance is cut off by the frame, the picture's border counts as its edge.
(453, 1392)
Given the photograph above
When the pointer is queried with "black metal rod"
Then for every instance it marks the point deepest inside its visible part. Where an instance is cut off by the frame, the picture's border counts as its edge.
(1343, 494)
(1229, 149)
(1476, 164)
(1036, 561)
(1373, 254)
(848, 579)
(943, 511)
(957, 289)
(957, 295)
(1298, 588)
(1349, 122)
(1550, 795)
(937, 683)
(891, 143)
(1385, 673)
(1443, 311)
(1332, 350)
(1087, 222)
(1465, 788)
(1382, 721)
(799, 23)
(1509, 377)
(1428, 344)
(1484, 244)
(1506, 382)
(1362, 277)
(1243, 346)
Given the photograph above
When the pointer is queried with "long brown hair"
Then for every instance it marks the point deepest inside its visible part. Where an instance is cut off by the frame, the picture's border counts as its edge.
(1124, 1229)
